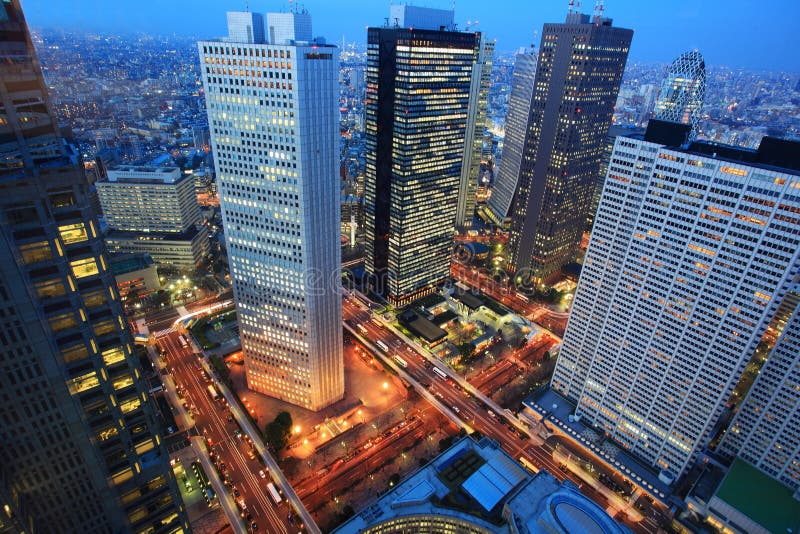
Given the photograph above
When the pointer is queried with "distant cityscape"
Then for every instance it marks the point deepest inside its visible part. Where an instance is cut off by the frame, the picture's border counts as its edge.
(274, 282)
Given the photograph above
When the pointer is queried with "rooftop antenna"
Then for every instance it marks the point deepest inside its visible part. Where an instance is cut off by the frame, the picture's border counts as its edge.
(246, 6)
(570, 6)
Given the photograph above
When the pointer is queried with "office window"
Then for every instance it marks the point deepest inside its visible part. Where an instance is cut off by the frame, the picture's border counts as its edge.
(84, 267)
(73, 233)
(36, 252)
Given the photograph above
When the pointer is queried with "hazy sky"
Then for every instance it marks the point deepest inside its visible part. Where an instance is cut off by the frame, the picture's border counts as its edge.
(758, 34)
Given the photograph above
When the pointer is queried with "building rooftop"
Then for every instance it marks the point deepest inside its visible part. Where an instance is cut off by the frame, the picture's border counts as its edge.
(775, 154)
(188, 235)
(144, 174)
(422, 327)
(127, 263)
(760, 497)
(468, 299)
(477, 483)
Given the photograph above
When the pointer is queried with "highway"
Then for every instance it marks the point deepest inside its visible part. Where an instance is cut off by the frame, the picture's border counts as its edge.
(477, 414)
(233, 456)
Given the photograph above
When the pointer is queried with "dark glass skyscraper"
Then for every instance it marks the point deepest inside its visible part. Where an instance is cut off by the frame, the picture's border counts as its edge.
(578, 75)
(417, 99)
(78, 439)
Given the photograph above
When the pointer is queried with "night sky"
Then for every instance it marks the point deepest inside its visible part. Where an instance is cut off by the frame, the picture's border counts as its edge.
(736, 33)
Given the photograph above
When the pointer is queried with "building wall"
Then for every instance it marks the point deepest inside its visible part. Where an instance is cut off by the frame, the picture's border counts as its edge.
(140, 205)
(81, 449)
(766, 429)
(184, 251)
(476, 124)
(280, 207)
(689, 258)
(578, 75)
(416, 122)
(516, 124)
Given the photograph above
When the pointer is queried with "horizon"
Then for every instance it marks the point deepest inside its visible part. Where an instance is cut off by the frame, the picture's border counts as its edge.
(717, 28)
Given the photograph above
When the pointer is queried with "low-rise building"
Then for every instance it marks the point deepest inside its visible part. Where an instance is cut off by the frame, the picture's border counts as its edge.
(474, 487)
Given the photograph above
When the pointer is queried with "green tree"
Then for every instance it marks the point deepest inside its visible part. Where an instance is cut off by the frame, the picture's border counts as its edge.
(278, 430)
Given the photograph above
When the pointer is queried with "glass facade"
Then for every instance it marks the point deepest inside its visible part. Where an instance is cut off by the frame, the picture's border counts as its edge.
(417, 100)
(74, 436)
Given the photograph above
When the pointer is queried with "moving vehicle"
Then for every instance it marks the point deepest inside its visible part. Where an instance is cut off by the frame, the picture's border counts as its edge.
(400, 361)
(183, 341)
(438, 372)
(382, 346)
(276, 497)
(212, 392)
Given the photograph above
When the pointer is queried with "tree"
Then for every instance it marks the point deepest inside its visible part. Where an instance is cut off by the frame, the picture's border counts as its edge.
(278, 430)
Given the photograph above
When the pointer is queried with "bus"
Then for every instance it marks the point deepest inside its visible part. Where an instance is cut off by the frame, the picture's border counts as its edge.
(141, 339)
(382, 346)
(400, 361)
(276, 497)
(212, 391)
(363, 329)
(438, 372)
(183, 341)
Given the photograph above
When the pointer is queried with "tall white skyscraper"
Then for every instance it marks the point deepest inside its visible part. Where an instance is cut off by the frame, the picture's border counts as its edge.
(766, 429)
(288, 27)
(273, 116)
(691, 254)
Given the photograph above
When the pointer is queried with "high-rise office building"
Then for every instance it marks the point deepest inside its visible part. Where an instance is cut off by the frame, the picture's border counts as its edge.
(419, 84)
(766, 430)
(578, 75)
(516, 124)
(81, 450)
(605, 160)
(274, 131)
(683, 90)
(473, 144)
(692, 252)
(245, 27)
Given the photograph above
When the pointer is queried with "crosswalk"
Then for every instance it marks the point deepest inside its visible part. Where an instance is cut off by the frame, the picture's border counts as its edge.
(166, 331)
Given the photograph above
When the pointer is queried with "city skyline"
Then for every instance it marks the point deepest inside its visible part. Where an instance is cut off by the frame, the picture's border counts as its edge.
(254, 279)
(723, 43)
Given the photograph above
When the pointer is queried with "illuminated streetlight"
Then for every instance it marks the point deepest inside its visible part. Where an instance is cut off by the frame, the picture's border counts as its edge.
(386, 385)
(297, 429)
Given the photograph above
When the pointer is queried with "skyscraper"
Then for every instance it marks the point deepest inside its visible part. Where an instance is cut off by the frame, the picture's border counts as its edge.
(473, 144)
(691, 254)
(272, 111)
(519, 108)
(419, 84)
(683, 90)
(766, 429)
(81, 450)
(578, 75)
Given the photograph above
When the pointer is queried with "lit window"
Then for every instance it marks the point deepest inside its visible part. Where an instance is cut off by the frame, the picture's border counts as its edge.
(122, 382)
(63, 321)
(83, 382)
(75, 353)
(84, 267)
(35, 252)
(112, 356)
(50, 288)
(73, 233)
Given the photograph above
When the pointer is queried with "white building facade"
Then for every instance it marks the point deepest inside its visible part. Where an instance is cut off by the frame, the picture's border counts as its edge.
(689, 259)
(766, 429)
(272, 111)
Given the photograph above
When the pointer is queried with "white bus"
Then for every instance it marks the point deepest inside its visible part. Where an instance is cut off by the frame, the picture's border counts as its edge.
(363, 329)
(400, 361)
(438, 372)
(276, 497)
(212, 391)
(184, 342)
(382, 346)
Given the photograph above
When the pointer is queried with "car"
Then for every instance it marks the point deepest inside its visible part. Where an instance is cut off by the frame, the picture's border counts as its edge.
(262, 474)
(254, 526)
(237, 433)
(236, 493)
(455, 409)
(249, 516)
(230, 418)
